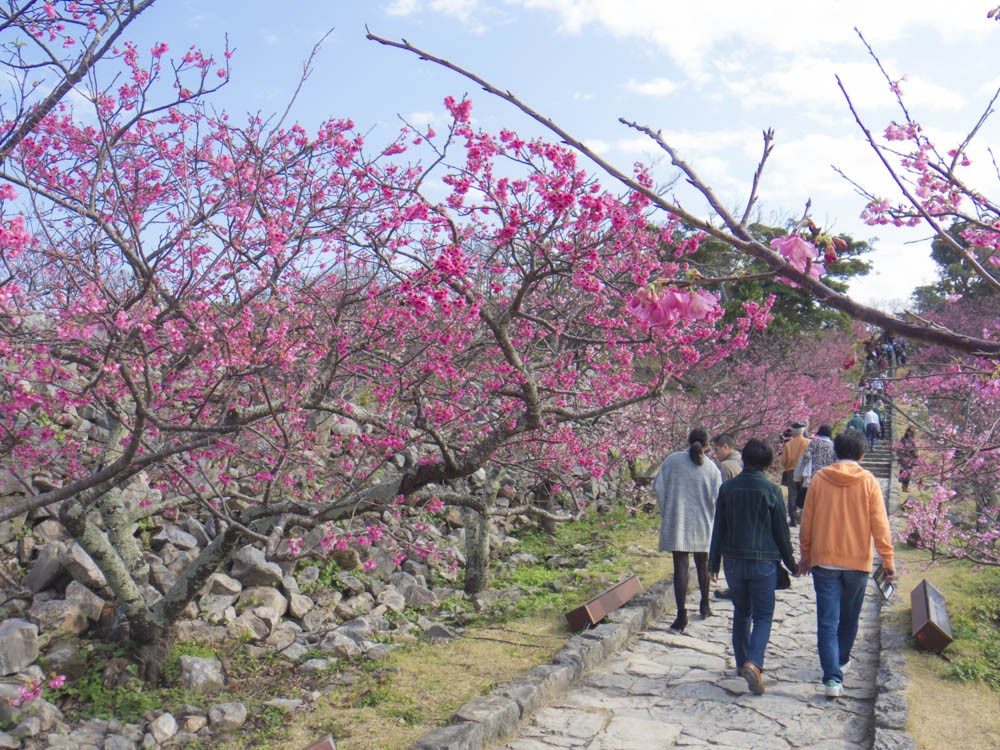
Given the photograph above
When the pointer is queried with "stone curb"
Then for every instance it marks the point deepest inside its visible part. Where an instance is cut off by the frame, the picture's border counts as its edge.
(484, 721)
(892, 707)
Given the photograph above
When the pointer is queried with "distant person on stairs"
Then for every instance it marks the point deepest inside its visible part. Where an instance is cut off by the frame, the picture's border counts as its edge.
(857, 423)
(686, 487)
(844, 512)
(906, 455)
(872, 426)
(750, 537)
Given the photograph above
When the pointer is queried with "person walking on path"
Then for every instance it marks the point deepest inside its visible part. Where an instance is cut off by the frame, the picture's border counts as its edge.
(844, 512)
(686, 487)
(750, 536)
(818, 456)
(794, 449)
(726, 455)
(857, 423)
(873, 425)
(906, 455)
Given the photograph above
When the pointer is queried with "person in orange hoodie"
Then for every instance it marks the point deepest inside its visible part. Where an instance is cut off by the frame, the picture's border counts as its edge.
(790, 456)
(844, 512)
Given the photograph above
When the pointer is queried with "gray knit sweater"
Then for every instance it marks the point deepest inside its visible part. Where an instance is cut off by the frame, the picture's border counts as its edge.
(685, 495)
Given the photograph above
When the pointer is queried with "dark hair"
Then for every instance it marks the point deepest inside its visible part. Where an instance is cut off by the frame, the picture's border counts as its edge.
(908, 433)
(697, 439)
(724, 438)
(825, 430)
(849, 445)
(757, 454)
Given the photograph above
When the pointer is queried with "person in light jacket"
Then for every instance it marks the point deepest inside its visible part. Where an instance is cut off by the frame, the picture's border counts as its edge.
(686, 487)
(844, 513)
(818, 456)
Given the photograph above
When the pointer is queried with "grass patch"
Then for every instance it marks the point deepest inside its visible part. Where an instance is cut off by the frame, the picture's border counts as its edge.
(953, 704)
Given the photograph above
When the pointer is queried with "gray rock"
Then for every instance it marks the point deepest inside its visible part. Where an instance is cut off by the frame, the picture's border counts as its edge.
(219, 584)
(268, 615)
(251, 568)
(437, 631)
(392, 599)
(173, 535)
(352, 583)
(249, 624)
(340, 646)
(466, 735)
(892, 739)
(285, 705)
(59, 615)
(47, 567)
(195, 529)
(497, 714)
(266, 596)
(299, 605)
(91, 604)
(65, 657)
(316, 619)
(891, 710)
(194, 723)
(118, 742)
(308, 575)
(294, 652)
(201, 676)
(401, 581)
(419, 597)
(80, 565)
(9, 742)
(362, 603)
(18, 645)
(227, 715)
(161, 576)
(163, 727)
(30, 726)
(313, 665)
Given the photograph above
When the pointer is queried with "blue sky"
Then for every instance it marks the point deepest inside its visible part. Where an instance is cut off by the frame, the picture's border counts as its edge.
(711, 75)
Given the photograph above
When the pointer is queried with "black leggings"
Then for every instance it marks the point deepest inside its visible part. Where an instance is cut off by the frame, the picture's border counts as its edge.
(681, 577)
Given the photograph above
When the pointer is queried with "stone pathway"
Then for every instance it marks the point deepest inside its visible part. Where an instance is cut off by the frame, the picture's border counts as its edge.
(666, 690)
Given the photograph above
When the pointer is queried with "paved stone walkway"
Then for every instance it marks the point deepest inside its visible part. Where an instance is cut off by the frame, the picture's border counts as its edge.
(666, 690)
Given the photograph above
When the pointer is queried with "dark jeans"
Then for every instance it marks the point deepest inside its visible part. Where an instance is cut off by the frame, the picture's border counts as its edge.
(839, 595)
(751, 588)
(871, 432)
(793, 495)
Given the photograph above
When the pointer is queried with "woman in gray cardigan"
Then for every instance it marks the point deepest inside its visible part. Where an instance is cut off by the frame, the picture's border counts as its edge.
(686, 486)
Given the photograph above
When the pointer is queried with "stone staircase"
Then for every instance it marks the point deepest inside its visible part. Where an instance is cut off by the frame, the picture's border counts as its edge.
(879, 460)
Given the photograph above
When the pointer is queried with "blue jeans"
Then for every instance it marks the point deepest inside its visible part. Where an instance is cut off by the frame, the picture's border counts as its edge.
(751, 589)
(839, 595)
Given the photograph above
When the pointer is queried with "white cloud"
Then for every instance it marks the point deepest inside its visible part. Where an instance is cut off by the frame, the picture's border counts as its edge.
(897, 268)
(581, 96)
(598, 146)
(420, 119)
(693, 33)
(402, 7)
(654, 87)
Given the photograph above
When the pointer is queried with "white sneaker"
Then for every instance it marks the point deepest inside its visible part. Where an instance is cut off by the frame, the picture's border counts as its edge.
(834, 689)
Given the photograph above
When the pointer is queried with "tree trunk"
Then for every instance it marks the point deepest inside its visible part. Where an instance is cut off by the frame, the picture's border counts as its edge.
(477, 538)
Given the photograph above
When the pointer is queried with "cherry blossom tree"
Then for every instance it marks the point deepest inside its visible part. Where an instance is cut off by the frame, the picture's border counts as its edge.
(283, 332)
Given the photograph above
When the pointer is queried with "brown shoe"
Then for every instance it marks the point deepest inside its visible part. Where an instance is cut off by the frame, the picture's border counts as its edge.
(754, 681)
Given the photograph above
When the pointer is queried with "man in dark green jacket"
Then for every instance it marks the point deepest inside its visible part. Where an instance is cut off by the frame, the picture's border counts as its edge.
(751, 534)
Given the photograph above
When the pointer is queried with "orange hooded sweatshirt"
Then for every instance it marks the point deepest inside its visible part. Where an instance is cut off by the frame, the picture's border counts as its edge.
(844, 511)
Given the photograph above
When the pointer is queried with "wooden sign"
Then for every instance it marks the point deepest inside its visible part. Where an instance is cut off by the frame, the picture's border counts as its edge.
(607, 601)
(931, 627)
(327, 743)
